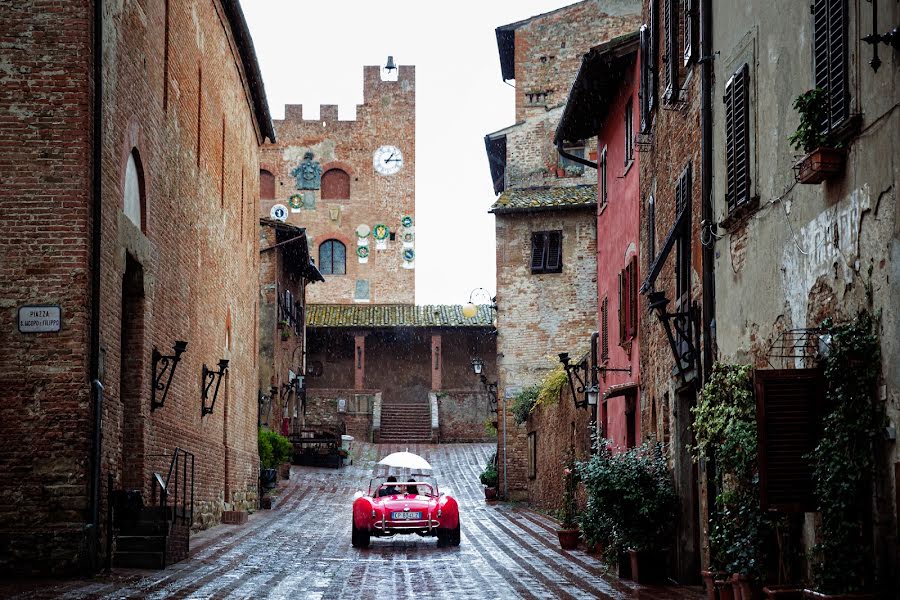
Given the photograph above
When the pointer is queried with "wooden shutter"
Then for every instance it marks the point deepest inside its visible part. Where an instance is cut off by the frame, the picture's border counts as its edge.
(651, 229)
(830, 57)
(788, 413)
(622, 303)
(688, 8)
(537, 252)
(644, 94)
(633, 295)
(604, 184)
(737, 138)
(604, 328)
(670, 21)
(683, 190)
(554, 251)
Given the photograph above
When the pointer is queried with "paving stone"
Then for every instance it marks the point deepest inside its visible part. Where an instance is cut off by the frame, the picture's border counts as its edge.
(301, 549)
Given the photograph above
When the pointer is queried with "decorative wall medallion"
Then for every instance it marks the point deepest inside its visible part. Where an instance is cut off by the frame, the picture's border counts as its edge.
(381, 232)
(309, 199)
(406, 221)
(409, 254)
(363, 231)
(362, 252)
(296, 202)
(279, 212)
(408, 239)
(308, 173)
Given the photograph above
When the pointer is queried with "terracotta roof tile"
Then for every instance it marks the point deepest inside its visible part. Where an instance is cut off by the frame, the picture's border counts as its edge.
(546, 197)
(395, 315)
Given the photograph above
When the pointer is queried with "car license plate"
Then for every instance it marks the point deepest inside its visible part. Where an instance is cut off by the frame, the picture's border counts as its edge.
(406, 516)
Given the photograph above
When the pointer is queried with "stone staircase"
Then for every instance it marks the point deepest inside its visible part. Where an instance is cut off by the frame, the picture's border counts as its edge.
(405, 422)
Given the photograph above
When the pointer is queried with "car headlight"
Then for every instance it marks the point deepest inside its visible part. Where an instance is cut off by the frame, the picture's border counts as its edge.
(439, 513)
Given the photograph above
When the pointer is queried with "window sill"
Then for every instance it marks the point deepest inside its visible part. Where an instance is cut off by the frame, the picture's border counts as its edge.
(737, 217)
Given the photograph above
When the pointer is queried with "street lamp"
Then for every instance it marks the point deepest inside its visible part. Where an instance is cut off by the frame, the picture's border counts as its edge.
(482, 296)
(477, 365)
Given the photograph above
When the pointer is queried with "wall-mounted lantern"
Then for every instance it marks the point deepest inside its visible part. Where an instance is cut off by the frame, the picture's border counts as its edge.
(208, 378)
(167, 363)
(577, 374)
(490, 387)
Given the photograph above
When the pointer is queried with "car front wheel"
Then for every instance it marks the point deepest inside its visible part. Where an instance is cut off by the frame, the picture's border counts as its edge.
(455, 536)
(359, 538)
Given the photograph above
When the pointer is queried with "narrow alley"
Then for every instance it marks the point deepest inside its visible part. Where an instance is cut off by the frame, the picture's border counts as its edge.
(301, 549)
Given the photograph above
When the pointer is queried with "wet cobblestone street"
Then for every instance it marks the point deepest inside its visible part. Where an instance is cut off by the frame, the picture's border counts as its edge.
(301, 549)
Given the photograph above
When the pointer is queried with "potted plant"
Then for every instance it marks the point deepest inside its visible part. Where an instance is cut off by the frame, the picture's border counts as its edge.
(489, 478)
(268, 473)
(824, 158)
(632, 497)
(568, 531)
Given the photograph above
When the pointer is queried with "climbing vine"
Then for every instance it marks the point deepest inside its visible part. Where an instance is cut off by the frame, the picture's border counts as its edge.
(843, 460)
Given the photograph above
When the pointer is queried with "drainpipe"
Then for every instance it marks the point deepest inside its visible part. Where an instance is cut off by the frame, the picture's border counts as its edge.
(96, 219)
(706, 161)
(572, 157)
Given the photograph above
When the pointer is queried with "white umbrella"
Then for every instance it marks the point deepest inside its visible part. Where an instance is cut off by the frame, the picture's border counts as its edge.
(405, 460)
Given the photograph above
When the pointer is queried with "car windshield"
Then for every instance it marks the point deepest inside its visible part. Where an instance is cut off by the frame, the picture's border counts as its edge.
(421, 485)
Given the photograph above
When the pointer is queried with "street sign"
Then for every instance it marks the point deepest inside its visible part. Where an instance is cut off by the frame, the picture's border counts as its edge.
(40, 319)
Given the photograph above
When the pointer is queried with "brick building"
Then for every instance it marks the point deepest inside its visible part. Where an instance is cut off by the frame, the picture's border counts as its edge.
(676, 347)
(131, 143)
(603, 104)
(400, 373)
(546, 237)
(285, 270)
(359, 216)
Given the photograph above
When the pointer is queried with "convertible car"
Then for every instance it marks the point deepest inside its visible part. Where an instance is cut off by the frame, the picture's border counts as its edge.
(408, 507)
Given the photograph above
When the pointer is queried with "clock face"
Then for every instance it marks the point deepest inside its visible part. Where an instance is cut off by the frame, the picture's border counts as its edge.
(387, 160)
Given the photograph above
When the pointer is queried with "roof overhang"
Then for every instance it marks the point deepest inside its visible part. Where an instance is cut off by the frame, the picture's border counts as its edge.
(244, 42)
(598, 81)
(620, 389)
(292, 242)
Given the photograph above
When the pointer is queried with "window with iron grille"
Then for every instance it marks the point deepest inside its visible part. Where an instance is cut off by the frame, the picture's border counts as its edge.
(546, 252)
(670, 54)
(629, 132)
(604, 330)
(688, 13)
(737, 138)
(604, 184)
(332, 258)
(830, 57)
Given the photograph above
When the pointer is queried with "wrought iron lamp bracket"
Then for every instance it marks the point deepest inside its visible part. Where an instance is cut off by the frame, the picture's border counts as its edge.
(167, 364)
(577, 374)
(210, 377)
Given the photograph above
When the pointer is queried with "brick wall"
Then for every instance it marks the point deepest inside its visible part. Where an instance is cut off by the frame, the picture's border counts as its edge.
(540, 315)
(188, 268)
(386, 117)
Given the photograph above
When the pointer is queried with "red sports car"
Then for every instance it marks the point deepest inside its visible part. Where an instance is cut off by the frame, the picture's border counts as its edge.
(408, 507)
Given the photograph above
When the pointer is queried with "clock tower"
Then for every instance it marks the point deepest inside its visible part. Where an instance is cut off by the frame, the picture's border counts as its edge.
(351, 185)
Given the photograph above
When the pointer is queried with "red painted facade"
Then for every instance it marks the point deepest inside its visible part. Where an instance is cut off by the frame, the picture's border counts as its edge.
(618, 243)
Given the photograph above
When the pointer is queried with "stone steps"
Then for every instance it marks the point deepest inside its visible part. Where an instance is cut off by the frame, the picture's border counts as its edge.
(405, 422)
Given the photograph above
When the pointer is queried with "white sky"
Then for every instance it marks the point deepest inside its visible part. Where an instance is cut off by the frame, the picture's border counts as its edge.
(312, 53)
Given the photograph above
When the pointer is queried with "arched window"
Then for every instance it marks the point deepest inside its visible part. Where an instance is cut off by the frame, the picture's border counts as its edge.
(335, 185)
(332, 258)
(134, 201)
(266, 185)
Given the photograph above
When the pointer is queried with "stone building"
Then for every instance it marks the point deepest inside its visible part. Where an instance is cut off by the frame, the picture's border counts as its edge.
(791, 254)
(400, 373)
(676, 351)
(285, 270)
(351, 185)
(603, 104)
(546, 237)
(131, 136)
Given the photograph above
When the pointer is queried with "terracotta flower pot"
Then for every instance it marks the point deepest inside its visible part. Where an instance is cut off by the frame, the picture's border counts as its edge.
(490, 493)
(568, 538)
(820, 165)
(743, 585)
(709, 582)
(726, 592)
(783, 592)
